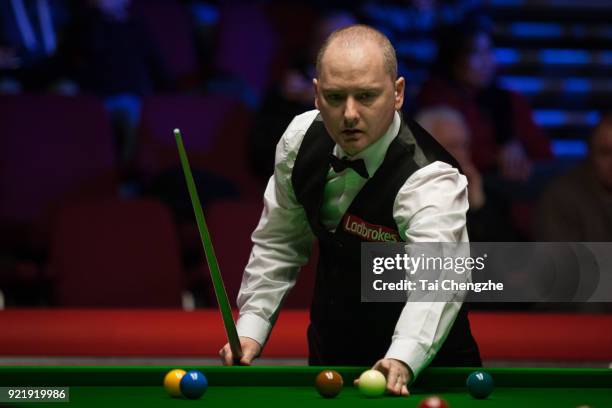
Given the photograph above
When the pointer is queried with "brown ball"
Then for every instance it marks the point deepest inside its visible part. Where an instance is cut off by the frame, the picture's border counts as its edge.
(329, 383)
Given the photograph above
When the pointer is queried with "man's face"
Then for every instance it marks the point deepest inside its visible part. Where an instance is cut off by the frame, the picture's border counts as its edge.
(356, 95)
(601, 155)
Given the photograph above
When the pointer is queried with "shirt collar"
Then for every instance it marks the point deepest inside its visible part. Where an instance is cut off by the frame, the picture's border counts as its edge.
(374, 154)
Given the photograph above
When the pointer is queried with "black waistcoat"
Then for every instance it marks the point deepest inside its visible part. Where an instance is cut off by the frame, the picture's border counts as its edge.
(344, 330)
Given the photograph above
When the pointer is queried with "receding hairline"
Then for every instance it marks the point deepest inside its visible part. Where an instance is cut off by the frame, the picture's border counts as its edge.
(358, 34)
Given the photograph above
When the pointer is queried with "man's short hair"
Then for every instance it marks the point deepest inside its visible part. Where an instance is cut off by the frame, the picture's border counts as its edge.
(355, 34)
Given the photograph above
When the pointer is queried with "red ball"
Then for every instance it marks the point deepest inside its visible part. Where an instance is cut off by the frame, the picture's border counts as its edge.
(329, 383)
(433, 402)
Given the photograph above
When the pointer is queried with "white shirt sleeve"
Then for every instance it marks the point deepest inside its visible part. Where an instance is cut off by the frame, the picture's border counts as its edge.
(281, 242)
(430, 207)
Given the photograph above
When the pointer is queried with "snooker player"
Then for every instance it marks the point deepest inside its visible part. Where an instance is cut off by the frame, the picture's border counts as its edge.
(354, 158)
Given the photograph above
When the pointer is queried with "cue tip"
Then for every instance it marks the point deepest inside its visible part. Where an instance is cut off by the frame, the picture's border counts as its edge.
(177, 132)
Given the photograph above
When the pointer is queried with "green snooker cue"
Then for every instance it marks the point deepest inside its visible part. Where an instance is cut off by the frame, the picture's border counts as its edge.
(213, 265)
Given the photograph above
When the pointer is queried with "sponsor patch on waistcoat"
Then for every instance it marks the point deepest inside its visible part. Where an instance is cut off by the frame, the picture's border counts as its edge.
(369, 232)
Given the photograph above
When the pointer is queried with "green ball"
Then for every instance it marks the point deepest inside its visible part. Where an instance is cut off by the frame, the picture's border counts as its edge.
(372, 383)
(480, 384)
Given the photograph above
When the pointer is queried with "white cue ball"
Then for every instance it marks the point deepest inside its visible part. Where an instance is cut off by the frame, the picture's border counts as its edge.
(372, 383)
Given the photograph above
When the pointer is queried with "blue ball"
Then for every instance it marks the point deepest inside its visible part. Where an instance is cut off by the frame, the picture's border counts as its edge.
(480, 384)
(193, 384)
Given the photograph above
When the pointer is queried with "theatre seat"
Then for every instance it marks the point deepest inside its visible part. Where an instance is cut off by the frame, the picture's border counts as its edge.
(170, 25)
(214, 130)
(116, 253)
(231, 224)
(53, 150)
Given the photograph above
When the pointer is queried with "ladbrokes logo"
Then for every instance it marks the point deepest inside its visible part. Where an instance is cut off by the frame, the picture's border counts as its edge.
(370, 232)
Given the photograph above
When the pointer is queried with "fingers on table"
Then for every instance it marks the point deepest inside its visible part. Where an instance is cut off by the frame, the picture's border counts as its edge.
(226, 355)
(248, 355)
(395, 380)
(383, 366)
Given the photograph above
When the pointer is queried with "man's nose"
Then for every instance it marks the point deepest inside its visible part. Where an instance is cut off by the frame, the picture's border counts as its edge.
(351, 114)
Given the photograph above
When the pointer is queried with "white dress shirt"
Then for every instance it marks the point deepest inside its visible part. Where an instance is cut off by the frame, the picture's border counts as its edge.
(431, 206)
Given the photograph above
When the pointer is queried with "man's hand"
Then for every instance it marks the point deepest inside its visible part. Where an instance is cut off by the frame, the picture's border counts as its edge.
(250, 350)
(397, 373)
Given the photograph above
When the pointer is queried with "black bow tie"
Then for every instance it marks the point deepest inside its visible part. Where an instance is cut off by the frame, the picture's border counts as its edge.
(340, 165)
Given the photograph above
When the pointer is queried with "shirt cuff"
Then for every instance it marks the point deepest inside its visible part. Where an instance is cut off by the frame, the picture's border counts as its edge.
(253, 326)
(411, 353)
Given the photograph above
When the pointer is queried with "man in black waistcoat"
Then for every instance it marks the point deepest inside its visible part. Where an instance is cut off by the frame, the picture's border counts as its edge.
(352, 166)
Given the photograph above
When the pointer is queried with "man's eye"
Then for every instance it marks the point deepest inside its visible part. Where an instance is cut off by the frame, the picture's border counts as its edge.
(334, 97)
(365, 96)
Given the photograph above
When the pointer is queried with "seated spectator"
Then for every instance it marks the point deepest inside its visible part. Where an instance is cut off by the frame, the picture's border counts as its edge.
(448, 127)
(505, 138)
(578, 206)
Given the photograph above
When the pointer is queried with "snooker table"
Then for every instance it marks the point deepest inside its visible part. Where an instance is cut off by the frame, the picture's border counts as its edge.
(262, 386)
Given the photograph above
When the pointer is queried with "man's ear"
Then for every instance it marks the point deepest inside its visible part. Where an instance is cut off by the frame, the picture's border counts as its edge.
(315, 84)
(400, 85)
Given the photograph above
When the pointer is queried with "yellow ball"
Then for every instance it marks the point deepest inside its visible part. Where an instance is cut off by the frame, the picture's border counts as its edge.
(172, 382)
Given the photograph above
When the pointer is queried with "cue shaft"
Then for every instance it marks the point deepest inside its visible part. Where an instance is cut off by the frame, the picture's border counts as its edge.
(213, 265)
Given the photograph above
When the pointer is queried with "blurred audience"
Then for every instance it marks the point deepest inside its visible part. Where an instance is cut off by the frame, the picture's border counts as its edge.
(117, 58)
(505, 138)
(578, 206)
(447, 126)
(410, 25)
(31, 35)
(292, 96)
(486, 208)
(105, 48)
